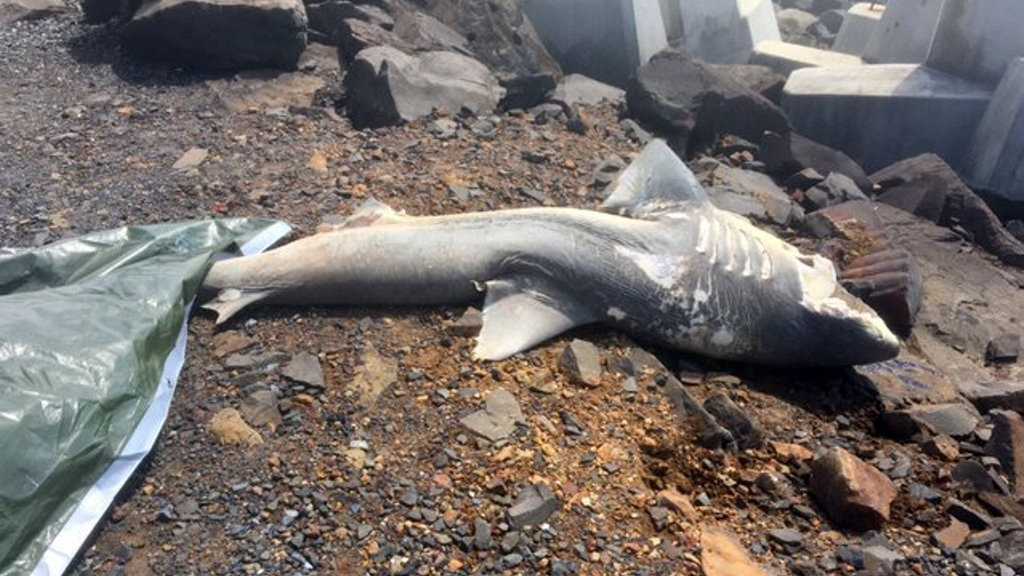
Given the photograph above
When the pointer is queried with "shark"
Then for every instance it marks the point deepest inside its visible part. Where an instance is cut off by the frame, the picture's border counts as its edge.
(657, 260)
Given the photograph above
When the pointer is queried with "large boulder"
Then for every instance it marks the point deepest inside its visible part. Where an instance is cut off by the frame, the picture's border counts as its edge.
(386, 86)
(326, 17)
(927, 187)
(220, 34)
(502, 37)
(409, 31)
(689, 101)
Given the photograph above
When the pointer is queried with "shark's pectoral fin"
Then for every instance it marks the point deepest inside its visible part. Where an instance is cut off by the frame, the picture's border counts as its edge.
(520, 314)
(655, 183)
(230, 302)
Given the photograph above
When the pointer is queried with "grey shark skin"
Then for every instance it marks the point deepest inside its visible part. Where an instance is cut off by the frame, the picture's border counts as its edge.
(660, 262)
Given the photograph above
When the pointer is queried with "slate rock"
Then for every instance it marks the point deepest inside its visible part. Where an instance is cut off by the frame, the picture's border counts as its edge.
(353, 35)
(482, 534)
(835, 189)
(972, 475)
(747, 193)
(261, 409)
(943, 447)
(853, 493)
(888, 280)
(952, 419)
(327, 16)
(883, 560)
(953, 536)
(1003, 348)
(969, 515)
(686, 99)
(756, 78)
(502, 37)
(747, 432)
(577, 89)
(786, 154)
(723, 555)
(929, 188)
(498, 419)
(787, 537)
(304, 368)
(220, 34)
(534, 505)
(386, 86)
(1011, 550)
(581, 362)
(1007, 444)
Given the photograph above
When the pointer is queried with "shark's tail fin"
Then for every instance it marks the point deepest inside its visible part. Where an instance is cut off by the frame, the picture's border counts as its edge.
(231, 301)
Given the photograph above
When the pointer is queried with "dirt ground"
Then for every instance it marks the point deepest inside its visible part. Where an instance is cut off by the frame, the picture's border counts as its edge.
(88, 138)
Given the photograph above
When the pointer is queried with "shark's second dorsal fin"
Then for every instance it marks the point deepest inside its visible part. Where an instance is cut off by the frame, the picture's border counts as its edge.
(655, 183)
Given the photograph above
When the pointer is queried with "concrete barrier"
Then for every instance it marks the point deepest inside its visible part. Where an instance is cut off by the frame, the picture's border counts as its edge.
(996, 159)
(904, 36)
(861, 23)
(978, 39)
(785, 58)
(726, 31)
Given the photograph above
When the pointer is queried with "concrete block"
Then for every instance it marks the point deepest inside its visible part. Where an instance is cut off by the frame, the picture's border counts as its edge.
(996, 160)
(726, 31)
(904, 36)
(785, 58)
(861, 22)
(978, 39)
(606, 40)
(880, 114)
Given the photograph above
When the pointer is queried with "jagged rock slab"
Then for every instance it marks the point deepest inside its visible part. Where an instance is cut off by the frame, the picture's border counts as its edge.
(726, 31)
(604, 39)
(325, 17)
(995, 161)
(220, 34)
(787, 154)
(786, 58)
(686, 99)
(881, 114)
(860, 24)
(387, 86)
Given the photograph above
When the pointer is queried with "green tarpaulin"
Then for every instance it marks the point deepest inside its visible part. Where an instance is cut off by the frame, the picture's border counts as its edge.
(92, 338)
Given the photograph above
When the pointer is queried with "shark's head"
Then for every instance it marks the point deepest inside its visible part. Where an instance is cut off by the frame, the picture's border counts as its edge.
(851, 333)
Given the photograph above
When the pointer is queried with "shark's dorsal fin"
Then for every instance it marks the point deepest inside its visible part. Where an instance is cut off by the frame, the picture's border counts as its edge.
(520, 313)
(655, 183)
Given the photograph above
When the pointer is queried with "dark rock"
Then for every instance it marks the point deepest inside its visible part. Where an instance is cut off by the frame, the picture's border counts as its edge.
(972, 475)
(99, 11)
(955, 419)
(822, 6)
(1011, 550)
(786, 154)
(854, 494)
(353, 35)
(890, 282)
(221, 35)
(503, 38)
(686, 99)
(326, 17)
(835, 189)
(804, 179)
(832, 20)
(927, 187)
(30, 10)
(1003, 348)
(533, 507)
(787, 537)
(882, 560)
(973, 517)
(386, 86)
(1007, 444)
(745, 430)
(482, 538)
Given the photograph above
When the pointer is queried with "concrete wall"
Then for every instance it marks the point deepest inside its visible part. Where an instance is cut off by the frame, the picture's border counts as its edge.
(606, 40)
(996, 159)
(861, 23)
(726, 31)
(977, 39)
(905, 33)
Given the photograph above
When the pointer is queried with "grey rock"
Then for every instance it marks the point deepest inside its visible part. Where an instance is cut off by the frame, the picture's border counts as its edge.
(787, 154)
(1003, 348)
(1011, 550)
(498, 419)
(29, 10)
(760, 79)
(581, 361)
(747, 193)
(387, 86)
(787, 537)
(534, 505)
(482, 534)
(578, 89)
(973, 517)
(882, 561)
(220, 34)
(305, 369)
(260, 409)
(952, 419)
(326, 16)
(835, 189)
(1007, 444)
(469, 324)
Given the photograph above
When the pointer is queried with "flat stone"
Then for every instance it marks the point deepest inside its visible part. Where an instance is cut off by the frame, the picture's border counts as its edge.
(786, 536)
(192, 158)
(726, 31)
(954, 419)
(881, 114)
(482, 536)
(260, 409)
(732, 188)
(786, 58)
(973, 517)
(953, 536)
(374, 375)
(264, 90)
(534, 505)
(882, 560)
(498, 419)
(860, 24)
(304, 368)
(577, 89)
(1007, 444)
(853, 493)
(679, 503)
(581, 362)
(606, 41)
(1011, 550)
(723, 555)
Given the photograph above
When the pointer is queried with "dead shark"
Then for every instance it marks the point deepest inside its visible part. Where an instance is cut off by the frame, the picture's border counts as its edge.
(659, 261)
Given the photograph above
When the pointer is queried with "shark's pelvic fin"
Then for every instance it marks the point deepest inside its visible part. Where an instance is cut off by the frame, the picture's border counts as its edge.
(653, 184)
(230, 302)
(519, 314)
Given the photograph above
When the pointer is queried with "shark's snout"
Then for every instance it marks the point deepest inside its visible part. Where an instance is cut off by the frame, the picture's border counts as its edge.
(853, 333)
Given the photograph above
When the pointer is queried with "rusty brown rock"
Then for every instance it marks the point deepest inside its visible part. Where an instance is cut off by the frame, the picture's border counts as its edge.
(853, 493)
(722, 555)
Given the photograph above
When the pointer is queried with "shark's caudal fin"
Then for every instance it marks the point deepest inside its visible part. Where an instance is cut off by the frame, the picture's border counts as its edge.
(230, 302)
(653, 184)
(520, 313)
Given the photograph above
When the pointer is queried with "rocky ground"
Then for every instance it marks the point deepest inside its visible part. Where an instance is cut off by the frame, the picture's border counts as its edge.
(367, 440)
